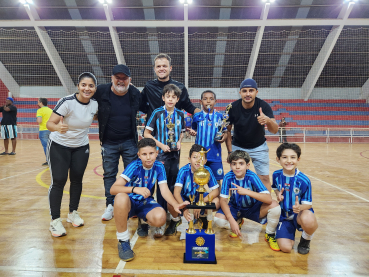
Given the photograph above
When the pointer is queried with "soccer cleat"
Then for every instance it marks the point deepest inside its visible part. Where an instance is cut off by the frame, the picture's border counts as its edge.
(108, 214)
(240, 223)
(125, 252)
(75, 219)
(159, 232)
(172, 227)
(56, 228)
(304, 246)
(142, 229)
(272, 242)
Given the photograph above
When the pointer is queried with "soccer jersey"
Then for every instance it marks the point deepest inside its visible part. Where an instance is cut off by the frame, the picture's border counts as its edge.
(45, 113)
(137, 175)
(299, 184)
(78, 116)
(251, 181)
(189, 187)
(158, 121)
(206, 126)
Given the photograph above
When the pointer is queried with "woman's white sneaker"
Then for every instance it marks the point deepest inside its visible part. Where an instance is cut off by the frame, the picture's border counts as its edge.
(75, 219)
(109, 213)
(56, 228)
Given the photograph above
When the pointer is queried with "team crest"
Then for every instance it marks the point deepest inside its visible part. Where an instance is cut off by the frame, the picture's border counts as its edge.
(216, 124)
(178, 122)
(219, 171)
(296, 190)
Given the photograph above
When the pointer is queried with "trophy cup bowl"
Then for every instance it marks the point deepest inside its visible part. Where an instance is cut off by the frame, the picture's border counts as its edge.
(201, 177)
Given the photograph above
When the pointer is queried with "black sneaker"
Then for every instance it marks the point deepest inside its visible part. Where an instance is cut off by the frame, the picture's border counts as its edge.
(142, 229)
(304, 246)
(45, 164)
(172, 228)
(204, 221)
(125, 251)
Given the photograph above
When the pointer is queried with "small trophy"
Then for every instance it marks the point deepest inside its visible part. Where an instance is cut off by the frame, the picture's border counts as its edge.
(222, 123)
(170, 125)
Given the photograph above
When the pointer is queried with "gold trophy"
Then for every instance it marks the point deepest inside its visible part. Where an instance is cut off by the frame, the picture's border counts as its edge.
(201, 177)
(191, 230)
(170, 125)
(222, 123)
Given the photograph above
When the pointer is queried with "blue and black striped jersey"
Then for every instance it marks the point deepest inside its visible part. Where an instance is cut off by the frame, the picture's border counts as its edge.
(189, 187)
(299, 184)
(157, 124)
(251, 181)
(206, 126)
(139, 176)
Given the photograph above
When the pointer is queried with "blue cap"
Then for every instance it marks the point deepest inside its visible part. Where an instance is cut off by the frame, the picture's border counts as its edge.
(121, 68)
(248, 83)
(11, 99)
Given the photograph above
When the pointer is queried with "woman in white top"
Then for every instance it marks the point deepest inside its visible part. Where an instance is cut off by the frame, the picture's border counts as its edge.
(68, 150)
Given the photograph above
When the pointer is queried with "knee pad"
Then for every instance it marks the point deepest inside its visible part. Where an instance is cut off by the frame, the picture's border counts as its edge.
(222, 223)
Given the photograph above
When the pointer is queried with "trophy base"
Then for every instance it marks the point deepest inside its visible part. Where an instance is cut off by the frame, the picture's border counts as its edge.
(198, 262)
(207, 207)
(172, 146)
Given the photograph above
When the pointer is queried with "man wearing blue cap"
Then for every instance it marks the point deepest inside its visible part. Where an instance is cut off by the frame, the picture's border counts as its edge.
(9, 125)
(118, 102)
(249, 115)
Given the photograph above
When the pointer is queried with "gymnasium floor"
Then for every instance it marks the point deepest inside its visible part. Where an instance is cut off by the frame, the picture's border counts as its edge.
(340, 247)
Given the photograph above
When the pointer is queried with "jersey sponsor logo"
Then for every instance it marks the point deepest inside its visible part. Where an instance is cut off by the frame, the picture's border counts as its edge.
(220, 171)
(287, 187)
(209, 124)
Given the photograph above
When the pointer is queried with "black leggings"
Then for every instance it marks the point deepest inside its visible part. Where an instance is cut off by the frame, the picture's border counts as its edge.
(61, 159)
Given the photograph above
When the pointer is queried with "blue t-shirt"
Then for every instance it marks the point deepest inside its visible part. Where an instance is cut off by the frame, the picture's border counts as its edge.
(299, 184)
(189, 187)
(206, 126)
(139, 176)
(188, 121)
(251, 181)
(157, 124)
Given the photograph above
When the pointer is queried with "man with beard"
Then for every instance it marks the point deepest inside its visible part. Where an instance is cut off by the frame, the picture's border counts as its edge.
(118, 105)
(152, 92)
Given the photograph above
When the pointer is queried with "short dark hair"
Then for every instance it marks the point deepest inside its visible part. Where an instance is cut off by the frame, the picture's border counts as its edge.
(163, 56)
(196, 148)
(172, 87)
(146, 142)
(208, 91)
(43, 101)
(87, 75)
(286, 145)
(239, 154)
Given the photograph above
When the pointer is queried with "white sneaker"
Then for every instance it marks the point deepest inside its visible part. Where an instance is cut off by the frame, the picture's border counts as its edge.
(109, 213)
(159, 231)
(56, 228)
(75, 219)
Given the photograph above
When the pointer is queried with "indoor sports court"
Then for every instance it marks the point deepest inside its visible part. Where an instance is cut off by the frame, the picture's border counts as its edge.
(310, 59)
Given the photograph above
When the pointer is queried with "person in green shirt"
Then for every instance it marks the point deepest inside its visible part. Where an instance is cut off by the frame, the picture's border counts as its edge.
(43, 115)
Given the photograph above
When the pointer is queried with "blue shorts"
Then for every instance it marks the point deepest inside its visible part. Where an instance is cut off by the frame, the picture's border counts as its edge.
(142, 207)
(217, 168)
(252, 213)
(259, 157)
(286, 228)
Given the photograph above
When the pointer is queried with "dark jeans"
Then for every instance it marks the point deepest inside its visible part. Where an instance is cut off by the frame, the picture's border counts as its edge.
(110, 160)
(61, 160)
(44, 137)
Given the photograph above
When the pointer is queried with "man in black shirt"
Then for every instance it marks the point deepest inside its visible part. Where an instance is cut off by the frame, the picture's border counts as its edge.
(249, 115)
(118, 105)
(9, 125)
(152, 92)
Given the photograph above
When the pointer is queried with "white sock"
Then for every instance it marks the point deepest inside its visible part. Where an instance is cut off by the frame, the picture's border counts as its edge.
(124, 236)
(222, 223)
(307, 236)
(273, 219)
(176, 219)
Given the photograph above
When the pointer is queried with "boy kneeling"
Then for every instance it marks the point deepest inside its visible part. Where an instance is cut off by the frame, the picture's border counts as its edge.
(249, 198)
(134, 189)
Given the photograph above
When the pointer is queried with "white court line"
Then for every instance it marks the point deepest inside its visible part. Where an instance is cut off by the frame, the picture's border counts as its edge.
(122, 264)
(22, 173)
(150, 272)
(353, 194)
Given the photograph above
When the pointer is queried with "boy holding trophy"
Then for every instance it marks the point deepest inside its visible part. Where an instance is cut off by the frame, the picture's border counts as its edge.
(210, 129)
(167, 125)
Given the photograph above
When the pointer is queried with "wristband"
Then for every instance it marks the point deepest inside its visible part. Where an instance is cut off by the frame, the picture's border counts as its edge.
(133, 188)
(229, 152)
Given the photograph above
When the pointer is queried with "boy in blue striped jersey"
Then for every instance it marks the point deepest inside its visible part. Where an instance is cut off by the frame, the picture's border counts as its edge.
(248, 198)
(185, 187)
(293, 190)
(134, 190)
(157, 125)
(205, 126)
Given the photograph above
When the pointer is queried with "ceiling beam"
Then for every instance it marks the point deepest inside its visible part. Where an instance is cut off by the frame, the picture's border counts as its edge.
(325, 52)
(257, 42)
(9, 81)
(191, 23)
